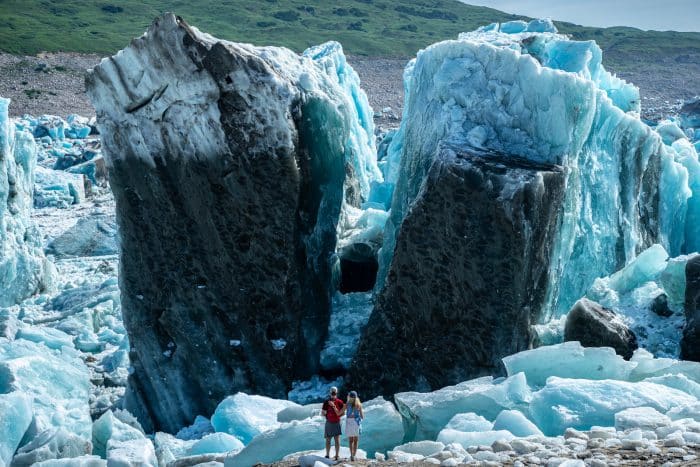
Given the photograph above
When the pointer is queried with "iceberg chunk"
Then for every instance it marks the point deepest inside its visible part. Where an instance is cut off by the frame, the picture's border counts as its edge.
(469, 422)
(425, 414)
(581, 404)
(690, 113)
(57, 189)
(331, 59)
(15, 417)
(169, 448)
(52, 338)
(416, 450)
(274, 444)
(201, 427)
(216, 443)
(568, 360)
(90, 236)
(301, 118)
(476, 438)
(647, 366)
(517, 423)
(686, 411)
(382, 427)
(298, 412)
(513, 27)
(647, 266)
(109, 431)
(643, 418)
(26, 366)
(313, 390)
(246, 416)
(132, 452)
(670, 132)
(54, 443)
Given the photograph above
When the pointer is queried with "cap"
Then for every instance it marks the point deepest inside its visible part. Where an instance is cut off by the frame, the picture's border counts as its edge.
(352, 394)
(334, 390)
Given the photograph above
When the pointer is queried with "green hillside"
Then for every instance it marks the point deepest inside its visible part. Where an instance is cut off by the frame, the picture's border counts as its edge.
(364, 27)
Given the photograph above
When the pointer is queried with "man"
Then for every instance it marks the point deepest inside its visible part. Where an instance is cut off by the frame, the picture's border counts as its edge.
(333, 409)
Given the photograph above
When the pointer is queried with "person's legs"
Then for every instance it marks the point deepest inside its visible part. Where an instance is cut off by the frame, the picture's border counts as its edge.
(328, 446)
(337, 446)
(351, 442)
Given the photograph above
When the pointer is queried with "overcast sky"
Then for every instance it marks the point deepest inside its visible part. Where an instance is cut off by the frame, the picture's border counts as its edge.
(661, 15)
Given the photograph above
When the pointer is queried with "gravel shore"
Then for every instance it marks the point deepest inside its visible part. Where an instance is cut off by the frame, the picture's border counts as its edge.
(554, 452)
(54, 84)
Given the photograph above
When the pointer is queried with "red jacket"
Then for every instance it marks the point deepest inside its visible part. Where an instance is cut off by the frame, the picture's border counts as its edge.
(330, 413)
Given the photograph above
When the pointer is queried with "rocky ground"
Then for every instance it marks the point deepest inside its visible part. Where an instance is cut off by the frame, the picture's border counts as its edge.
(574, 449)
(54, 84)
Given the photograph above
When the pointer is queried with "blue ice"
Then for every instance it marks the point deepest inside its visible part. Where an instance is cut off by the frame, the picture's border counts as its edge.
(24, 271)
(547, 98)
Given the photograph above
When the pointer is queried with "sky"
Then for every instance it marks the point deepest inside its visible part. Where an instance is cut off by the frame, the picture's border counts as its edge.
(660, 15)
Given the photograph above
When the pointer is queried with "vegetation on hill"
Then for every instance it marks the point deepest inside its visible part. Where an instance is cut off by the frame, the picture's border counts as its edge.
(364, 27)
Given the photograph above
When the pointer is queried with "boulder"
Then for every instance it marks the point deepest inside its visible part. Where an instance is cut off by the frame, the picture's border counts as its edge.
(690, 343)
(595, 326)
(468, 274)
(230, 165)
(660, 306)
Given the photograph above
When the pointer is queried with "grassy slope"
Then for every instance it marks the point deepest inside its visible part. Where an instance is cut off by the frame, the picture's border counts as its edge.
(364, 27)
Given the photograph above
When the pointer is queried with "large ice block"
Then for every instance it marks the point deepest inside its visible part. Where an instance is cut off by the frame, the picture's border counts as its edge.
(581, 404)
(547, 98)
(273, 445)
(425, 414)
(24, 270)
(27, 366)
(226, 119)
(568, 360)
(15, 417)
(109, 431)
(382, 427)
(246, 416)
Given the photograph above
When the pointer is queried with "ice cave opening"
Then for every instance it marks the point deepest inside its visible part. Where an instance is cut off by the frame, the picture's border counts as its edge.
(357, 275)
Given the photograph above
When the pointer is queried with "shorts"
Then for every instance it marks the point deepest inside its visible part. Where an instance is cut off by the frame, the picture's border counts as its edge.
(332, 429)
(352, 428)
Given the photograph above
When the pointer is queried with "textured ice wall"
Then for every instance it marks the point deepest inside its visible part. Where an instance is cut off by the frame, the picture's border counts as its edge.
(549, 99)
(231, 166)
(23, 268)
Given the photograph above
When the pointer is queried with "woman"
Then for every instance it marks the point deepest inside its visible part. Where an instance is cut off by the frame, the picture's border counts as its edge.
(353, 419)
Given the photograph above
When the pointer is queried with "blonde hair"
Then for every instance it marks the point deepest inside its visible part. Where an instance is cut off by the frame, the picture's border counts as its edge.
(356, 402)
